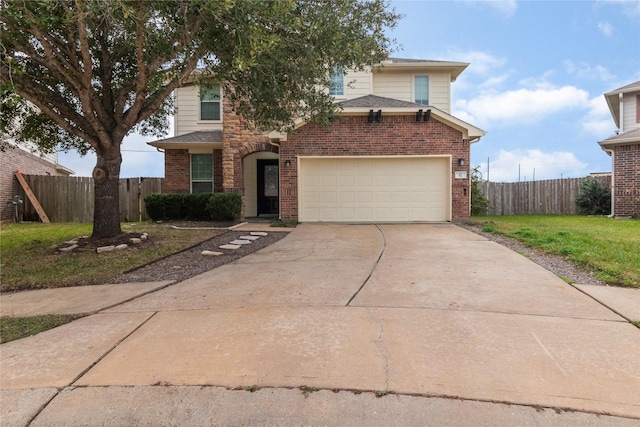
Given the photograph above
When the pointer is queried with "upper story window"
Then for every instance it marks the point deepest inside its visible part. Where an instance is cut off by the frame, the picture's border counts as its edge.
(210, 103)
(336, 82)
(421, 90)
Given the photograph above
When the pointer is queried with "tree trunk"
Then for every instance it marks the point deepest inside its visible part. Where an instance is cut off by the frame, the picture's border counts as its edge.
(106, 176)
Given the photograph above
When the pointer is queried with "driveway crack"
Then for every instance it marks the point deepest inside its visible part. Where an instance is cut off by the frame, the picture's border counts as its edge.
(373, 268)
(382, 348)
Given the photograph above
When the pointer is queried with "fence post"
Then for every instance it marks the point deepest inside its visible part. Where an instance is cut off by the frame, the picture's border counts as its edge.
(71, 198)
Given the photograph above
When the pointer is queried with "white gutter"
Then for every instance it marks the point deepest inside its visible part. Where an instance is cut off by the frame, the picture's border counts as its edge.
(276, 144)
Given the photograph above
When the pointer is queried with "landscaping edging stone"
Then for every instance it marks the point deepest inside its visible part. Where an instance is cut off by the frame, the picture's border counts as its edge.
(119, 243)
(191, 262)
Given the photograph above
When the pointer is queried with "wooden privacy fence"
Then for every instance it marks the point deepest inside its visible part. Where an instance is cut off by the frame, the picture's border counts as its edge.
(554, 196)
(71, 199)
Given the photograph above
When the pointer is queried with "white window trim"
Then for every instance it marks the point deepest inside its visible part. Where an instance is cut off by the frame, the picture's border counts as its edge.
(213, 173)
(200, 121)
(344, 92)
(413, 87)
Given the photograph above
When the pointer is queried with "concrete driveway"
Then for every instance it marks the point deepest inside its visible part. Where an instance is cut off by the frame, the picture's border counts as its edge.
(414, 310)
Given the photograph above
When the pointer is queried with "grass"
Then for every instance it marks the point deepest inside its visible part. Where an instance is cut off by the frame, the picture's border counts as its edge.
(13, 328)
(289, 223)
(308, 389)
(29, 261)
(609, 248)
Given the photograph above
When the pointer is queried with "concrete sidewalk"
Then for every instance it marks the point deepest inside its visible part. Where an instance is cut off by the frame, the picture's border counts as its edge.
(416, 313)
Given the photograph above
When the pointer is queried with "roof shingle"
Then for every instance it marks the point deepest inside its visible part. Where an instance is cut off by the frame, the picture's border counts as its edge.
(373, 101)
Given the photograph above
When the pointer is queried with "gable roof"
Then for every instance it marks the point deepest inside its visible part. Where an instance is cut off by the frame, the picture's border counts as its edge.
(613, 101)
(375, 101)
(628, 88)
(454, 68)
(362, 106)
(198, 139)
(629, 137)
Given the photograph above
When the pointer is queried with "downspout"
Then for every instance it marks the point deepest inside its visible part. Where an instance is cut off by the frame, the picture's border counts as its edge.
(612, 154)
(275, 144)
(613, 177)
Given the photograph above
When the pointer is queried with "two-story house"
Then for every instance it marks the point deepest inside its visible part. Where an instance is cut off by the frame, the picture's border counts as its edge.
(394, 153)
(624, 148)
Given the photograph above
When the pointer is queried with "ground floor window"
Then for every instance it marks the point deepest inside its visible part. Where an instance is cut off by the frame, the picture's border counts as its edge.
(202, 173)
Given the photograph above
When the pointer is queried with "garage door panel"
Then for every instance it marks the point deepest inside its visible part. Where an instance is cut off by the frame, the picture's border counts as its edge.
(374, 189)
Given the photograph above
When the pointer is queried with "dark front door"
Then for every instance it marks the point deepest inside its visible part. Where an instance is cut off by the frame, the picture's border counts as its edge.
(268, 187)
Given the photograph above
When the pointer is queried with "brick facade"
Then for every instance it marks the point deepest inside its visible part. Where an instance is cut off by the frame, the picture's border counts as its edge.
(16, 159)
(396, 135)
(177, 171)
(355, 136)
(236, 136)
(627, 180)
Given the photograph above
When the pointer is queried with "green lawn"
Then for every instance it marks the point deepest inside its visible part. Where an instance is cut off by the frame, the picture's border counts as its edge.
(13, 328)
(29, 260)
(608, 247)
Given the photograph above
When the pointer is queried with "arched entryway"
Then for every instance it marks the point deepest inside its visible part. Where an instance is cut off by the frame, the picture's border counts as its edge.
(261, 175)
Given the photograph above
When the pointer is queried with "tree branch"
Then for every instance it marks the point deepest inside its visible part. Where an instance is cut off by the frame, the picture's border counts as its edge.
(56, 107)
(90, 106)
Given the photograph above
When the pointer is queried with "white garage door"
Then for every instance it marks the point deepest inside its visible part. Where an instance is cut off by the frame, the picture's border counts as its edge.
(369, 189)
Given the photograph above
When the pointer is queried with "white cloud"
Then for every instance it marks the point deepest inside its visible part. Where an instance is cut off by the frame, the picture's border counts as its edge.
(521, 105)
(539, 82)
(631, 8)
(553, 165)
(480, 62)
(138, 159)
(598, 121)
(587, 71)
(81, 166)
(495, 81)
(506, 8)
(605, 28)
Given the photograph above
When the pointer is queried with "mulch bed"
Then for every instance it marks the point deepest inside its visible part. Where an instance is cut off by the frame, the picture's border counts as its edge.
(191, 262)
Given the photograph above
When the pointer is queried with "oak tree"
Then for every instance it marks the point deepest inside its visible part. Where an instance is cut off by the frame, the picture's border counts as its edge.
(82, 74)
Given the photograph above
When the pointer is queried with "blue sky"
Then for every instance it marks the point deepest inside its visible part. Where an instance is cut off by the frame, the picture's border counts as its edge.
(535, 84)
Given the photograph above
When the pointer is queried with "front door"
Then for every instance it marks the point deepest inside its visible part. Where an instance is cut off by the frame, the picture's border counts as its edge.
(268, 187)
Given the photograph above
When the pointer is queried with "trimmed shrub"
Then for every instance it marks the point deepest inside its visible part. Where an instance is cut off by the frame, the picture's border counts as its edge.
(594, 197)
(161, 206)
(224, 206)
(195, 206)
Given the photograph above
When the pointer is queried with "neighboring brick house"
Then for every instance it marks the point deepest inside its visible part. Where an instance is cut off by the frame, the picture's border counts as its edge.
(394, 153)
(29, 161)
(624, 148)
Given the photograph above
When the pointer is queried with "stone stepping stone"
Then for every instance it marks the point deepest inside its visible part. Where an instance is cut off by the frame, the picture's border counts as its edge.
(240, 242)
(211, 253)
(259, 233)
(249, 237)
(229, 246)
